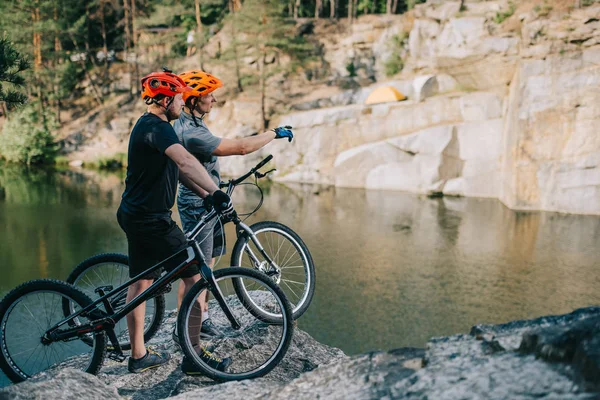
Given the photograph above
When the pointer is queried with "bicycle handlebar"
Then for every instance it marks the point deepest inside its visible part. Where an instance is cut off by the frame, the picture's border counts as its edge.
(247, 174)
(263, 162)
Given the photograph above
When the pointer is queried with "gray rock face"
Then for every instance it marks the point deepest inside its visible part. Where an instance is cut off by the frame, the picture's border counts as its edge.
(555, 357)
(303, 355)
(68, 384)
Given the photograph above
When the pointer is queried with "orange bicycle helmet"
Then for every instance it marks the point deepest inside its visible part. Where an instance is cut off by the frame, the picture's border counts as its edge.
(165, 83)
(200, 82)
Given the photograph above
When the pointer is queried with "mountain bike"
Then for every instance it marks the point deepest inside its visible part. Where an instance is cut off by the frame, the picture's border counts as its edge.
(49, 324)
(266, 246)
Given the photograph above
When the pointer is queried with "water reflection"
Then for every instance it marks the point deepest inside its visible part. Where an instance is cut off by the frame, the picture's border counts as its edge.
(393, 269)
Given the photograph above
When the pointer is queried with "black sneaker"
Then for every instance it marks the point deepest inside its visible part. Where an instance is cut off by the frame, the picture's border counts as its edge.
(152, 359)
(189, 368)
(209, 330)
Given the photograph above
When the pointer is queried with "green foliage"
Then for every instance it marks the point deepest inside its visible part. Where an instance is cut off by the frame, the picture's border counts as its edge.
(502, 15)
(12, 63)
(395, 63)
(26, 136)
(351, 69)
(587, 3)
(116, 162)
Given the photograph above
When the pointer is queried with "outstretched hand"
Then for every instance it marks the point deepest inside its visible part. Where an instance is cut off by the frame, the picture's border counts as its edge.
(284, 132)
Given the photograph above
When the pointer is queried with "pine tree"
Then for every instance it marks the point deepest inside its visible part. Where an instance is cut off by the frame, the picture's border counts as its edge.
(12, 63)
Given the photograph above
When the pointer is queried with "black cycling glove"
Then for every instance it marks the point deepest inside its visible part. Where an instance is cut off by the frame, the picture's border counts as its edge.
(221, 202)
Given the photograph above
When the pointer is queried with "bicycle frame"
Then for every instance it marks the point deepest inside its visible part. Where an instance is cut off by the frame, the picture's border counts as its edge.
(105, 321)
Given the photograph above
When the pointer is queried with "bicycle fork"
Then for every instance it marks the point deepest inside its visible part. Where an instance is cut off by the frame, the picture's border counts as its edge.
(213, 287)
(273, 271)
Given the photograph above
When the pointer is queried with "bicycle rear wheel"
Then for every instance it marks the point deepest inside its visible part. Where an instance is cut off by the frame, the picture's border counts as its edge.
(287, 250)
(256, 347)
(26, 313)
(112, 269)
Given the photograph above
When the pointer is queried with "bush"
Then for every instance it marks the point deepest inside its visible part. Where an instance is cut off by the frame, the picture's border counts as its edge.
(351, 69)
(501, 16)
(394, 63)
(116, 162)
(27, 136)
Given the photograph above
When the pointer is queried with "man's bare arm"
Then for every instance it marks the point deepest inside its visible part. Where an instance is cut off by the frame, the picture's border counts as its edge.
(243, 146)
(192, 173)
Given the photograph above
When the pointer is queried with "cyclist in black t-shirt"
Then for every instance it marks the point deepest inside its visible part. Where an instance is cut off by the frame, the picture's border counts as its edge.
(156, 161)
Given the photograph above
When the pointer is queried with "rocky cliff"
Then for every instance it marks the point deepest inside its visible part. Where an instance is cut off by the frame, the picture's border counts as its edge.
(555, 357)
(502, 103)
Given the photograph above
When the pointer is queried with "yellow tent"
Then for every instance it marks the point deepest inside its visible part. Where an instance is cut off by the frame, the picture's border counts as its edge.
(384, 94)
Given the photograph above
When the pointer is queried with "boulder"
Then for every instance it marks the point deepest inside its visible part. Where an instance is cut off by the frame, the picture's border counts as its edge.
(68, 384)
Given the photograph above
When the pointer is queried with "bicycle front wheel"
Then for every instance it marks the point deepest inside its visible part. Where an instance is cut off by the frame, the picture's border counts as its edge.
(290, 255)
(112, 269)
(254, 347)
(26, 313)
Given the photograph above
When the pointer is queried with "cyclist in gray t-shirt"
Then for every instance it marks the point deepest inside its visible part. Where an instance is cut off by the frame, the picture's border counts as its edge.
(195, 136)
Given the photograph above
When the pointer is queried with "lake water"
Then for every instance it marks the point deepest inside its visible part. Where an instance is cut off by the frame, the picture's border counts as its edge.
(393, 269)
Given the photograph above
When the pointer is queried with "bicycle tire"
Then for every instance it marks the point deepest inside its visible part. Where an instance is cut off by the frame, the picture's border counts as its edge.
(299, 306)
(123, 260)
(251, 340)
(7, 362)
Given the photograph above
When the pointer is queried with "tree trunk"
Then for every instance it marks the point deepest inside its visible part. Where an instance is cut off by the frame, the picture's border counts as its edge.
(394, 6)
(57, 60)
(297, 9)
(332, 10)
(261, 66)
(374, 7)
(318, 8)
(238, 75)
(388, 7)
(134, 29)
(199, 38)
(355, 9)
(97, 96)
(37, 39)
(104, 48)
(126, 8)
(350, 12)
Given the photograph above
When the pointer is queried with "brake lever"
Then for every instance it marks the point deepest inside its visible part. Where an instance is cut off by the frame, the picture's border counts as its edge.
(260, 175)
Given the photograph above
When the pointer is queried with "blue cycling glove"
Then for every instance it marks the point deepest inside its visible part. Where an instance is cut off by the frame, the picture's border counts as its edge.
(284, 132)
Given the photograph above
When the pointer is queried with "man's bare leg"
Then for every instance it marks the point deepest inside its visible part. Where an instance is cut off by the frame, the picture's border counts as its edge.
(195, 320)
(181, 292)
(136, 319)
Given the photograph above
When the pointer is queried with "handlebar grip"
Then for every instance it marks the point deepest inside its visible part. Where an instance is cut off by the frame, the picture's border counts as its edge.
(263, 162)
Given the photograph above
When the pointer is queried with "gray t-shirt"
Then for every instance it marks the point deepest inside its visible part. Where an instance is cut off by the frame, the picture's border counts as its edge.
(199, 141)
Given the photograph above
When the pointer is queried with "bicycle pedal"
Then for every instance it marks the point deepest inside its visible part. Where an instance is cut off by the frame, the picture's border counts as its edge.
(116, 356)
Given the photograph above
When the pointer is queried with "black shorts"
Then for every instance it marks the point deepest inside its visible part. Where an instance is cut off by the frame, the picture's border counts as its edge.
(152, 240)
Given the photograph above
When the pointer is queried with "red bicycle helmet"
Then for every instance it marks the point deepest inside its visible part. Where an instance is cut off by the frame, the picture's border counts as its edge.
(165, 83)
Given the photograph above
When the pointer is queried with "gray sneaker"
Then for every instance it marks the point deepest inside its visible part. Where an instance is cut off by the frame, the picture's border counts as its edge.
(152, 359)
(209, 330)
(175, 337)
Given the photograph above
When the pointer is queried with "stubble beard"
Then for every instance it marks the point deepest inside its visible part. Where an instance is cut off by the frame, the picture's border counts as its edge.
(173, 113)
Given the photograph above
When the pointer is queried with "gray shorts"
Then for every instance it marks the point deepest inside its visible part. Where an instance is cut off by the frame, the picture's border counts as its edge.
(211, 238)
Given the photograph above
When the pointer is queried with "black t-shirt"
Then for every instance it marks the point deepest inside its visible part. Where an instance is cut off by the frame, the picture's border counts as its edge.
(151, 182)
